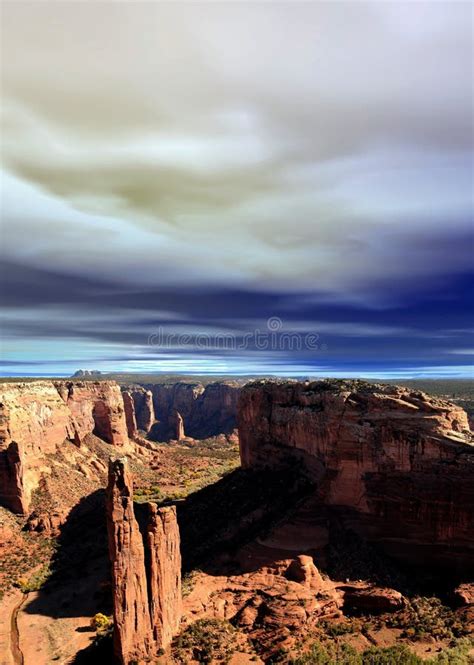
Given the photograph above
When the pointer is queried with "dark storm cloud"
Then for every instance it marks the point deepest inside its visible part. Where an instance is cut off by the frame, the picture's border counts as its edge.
(202, 167)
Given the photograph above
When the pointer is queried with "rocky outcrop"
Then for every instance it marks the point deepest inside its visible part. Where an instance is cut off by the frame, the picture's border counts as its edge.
(303, 570)
(144, 410)
(371, 599)
(178, 426)
(96, 406)
(146, 570)
(206, 411)
(464, 594)
(14, 492)
(396, 463)
(37, 417)
(129, 406)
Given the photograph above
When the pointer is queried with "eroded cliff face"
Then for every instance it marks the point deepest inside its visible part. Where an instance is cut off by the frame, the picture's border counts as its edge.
(398, 462)
(36, 418)
(146, 570)
(144, 410)
(206, 411)
(130, 416)
(96, 406)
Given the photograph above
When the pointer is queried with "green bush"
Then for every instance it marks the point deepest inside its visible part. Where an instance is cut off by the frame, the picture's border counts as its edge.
(100, 622)
(342, 654)
(336, 628)
(396, 655)
(36, 581)
(206, 640)
(428, 617)
(400, 654)
(457, 655)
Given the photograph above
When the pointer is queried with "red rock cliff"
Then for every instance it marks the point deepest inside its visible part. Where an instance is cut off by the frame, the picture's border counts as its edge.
(206, 411)
(130, 417)
(146, 570)
(37, 417)
(398, 460)
(96, 406)
(144, 411)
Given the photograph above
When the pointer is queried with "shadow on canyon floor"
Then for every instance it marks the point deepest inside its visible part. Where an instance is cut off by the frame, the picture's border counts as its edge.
(79, 584)
(222, 526)
(216, 520)
(215, 523)
(219, 519)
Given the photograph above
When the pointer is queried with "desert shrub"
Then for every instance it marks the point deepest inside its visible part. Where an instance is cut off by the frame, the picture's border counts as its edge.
(36, 581)
(100, 622)
(425, 617)
(329, 654)
(457, 655)
(337, 628)
(205, 640)
(396, 655)
(143, 494)
(400, 654)
(188, 582)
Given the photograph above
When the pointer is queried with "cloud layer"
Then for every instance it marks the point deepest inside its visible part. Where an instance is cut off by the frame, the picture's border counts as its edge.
(295, 156)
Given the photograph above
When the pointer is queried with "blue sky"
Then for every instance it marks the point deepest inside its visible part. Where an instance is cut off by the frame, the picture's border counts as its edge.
(176, 175)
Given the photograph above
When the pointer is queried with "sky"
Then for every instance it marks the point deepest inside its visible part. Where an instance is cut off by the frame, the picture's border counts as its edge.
(237, 188)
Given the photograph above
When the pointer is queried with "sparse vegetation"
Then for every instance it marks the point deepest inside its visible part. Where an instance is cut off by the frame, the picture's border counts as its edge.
(336, 628)
(205, 640)
(428, 617)
(152, 493)
(188, 581)
(101, 622)
(36, 580)
(399, 654)
(343, 654)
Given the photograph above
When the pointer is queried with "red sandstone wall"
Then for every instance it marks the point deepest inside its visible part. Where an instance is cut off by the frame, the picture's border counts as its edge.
(146, 570)
(36, 418)
(400, 460)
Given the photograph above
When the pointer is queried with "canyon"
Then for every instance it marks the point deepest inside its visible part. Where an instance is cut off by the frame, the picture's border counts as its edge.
(397, 463)
(348, 501)
(205, 410)
(36, 418)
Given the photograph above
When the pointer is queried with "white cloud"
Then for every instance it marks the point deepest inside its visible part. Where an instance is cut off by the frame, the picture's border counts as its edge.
(291, 146)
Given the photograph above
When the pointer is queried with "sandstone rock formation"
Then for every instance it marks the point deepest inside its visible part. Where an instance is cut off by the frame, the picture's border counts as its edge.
(371, 599)
(178, 426)
(146, 570)
(464, 594)
(37, 417)
(206, 411)
(144, 410)
(303, 570)
(396, 462)
(96, 406)
(130, 418)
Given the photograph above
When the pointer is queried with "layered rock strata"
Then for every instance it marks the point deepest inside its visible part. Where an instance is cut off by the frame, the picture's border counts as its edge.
(178, 426)
(130, 417)
(206, 411)
(144, 549)
(144, 410)
(36, 418)
(397, 462)
(97, 407)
